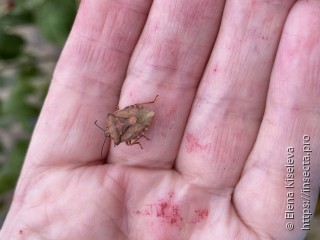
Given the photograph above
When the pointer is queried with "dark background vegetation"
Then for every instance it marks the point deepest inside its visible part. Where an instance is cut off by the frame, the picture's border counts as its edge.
(32, 33)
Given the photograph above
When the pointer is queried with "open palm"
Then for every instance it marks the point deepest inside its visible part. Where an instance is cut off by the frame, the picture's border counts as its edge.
(238, 85)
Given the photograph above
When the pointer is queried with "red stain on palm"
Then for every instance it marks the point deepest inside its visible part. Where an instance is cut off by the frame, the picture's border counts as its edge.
(20, 231)
(168, 211)
(201, 214)
(193, 143)
(165, 209)
(161, 210)
(147, 211)
(215, 68)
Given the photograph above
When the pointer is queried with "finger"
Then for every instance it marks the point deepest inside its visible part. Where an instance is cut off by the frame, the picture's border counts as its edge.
(230, 100)
(290, 126)
(87, 81)
(169, 61)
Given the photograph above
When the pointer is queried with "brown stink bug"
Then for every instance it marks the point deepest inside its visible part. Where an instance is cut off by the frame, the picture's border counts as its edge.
(128, 125)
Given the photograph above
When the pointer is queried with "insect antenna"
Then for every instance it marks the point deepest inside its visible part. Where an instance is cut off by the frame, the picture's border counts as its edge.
(148, 102)
(103, 146)
(95, 123)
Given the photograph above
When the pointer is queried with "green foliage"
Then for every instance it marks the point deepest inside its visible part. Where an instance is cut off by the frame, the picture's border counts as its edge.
(17, 106)
(9, 171)
(54, 19)
(10, 45)
(12, 19)
(23, 82)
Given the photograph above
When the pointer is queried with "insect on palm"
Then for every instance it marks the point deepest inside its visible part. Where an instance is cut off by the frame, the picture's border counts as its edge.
(128, 124)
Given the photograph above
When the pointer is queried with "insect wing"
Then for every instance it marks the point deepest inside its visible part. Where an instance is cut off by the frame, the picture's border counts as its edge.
(145, 116)
(132, 132)
(122, 124)
(112, 126)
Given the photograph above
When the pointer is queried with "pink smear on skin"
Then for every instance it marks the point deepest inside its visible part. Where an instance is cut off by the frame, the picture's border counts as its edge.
(194, 144)
(168, 211)
(165, 209)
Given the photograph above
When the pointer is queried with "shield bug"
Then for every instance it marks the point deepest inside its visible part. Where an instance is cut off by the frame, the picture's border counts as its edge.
(128, 124)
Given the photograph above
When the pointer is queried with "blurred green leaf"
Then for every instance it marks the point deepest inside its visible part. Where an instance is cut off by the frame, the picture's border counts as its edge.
(29, 4)
(28, 69)
(16, 18)
(17, 105)
(10, 171)
(6, 80)
(55, 18)
(5, 120)
(20, 81)
(10, 45)
(1, 146)
(4, 206)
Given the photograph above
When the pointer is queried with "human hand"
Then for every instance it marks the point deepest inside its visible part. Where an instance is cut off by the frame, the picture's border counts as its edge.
(215, 165)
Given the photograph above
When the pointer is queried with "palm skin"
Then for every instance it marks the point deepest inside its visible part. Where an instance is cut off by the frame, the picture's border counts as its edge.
(215, 165)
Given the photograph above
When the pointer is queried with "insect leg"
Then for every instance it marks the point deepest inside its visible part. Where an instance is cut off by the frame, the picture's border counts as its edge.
(144, 137)
(129, 143)
(148, 102)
